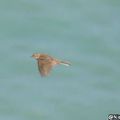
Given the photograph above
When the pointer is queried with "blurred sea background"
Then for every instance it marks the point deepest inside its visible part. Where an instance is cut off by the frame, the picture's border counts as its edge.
(84, 32)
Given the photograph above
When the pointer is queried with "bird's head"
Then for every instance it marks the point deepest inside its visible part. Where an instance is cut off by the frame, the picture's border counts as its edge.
(36, 55)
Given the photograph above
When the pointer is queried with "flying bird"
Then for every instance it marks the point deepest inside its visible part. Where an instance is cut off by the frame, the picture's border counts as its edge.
(46, 62)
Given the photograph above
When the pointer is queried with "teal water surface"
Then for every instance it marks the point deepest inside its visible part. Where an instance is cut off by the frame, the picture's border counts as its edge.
(84, 32)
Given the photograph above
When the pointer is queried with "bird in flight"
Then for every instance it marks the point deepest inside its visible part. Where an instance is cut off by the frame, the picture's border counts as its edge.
(46, 62)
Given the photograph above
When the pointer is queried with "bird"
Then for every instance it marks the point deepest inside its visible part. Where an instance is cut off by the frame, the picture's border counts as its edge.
(46, 63)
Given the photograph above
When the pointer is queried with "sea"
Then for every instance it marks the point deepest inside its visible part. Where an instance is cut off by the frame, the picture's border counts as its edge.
(84, 32)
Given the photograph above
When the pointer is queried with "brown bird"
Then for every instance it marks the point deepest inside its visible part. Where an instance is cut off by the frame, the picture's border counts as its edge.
(46, 62)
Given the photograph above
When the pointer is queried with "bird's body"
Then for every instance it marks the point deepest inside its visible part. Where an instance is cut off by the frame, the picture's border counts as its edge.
(46, 62)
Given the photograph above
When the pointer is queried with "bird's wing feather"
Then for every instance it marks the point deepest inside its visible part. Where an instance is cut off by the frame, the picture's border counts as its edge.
(44, 67)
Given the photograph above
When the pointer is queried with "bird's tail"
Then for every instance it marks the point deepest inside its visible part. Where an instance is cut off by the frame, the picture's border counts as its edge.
(65, 63)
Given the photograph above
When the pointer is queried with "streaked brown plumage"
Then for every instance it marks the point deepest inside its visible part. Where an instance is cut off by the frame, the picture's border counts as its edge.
(46, 62)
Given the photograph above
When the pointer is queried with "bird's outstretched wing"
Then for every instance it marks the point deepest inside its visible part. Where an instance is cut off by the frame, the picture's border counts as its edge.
(44, 67)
